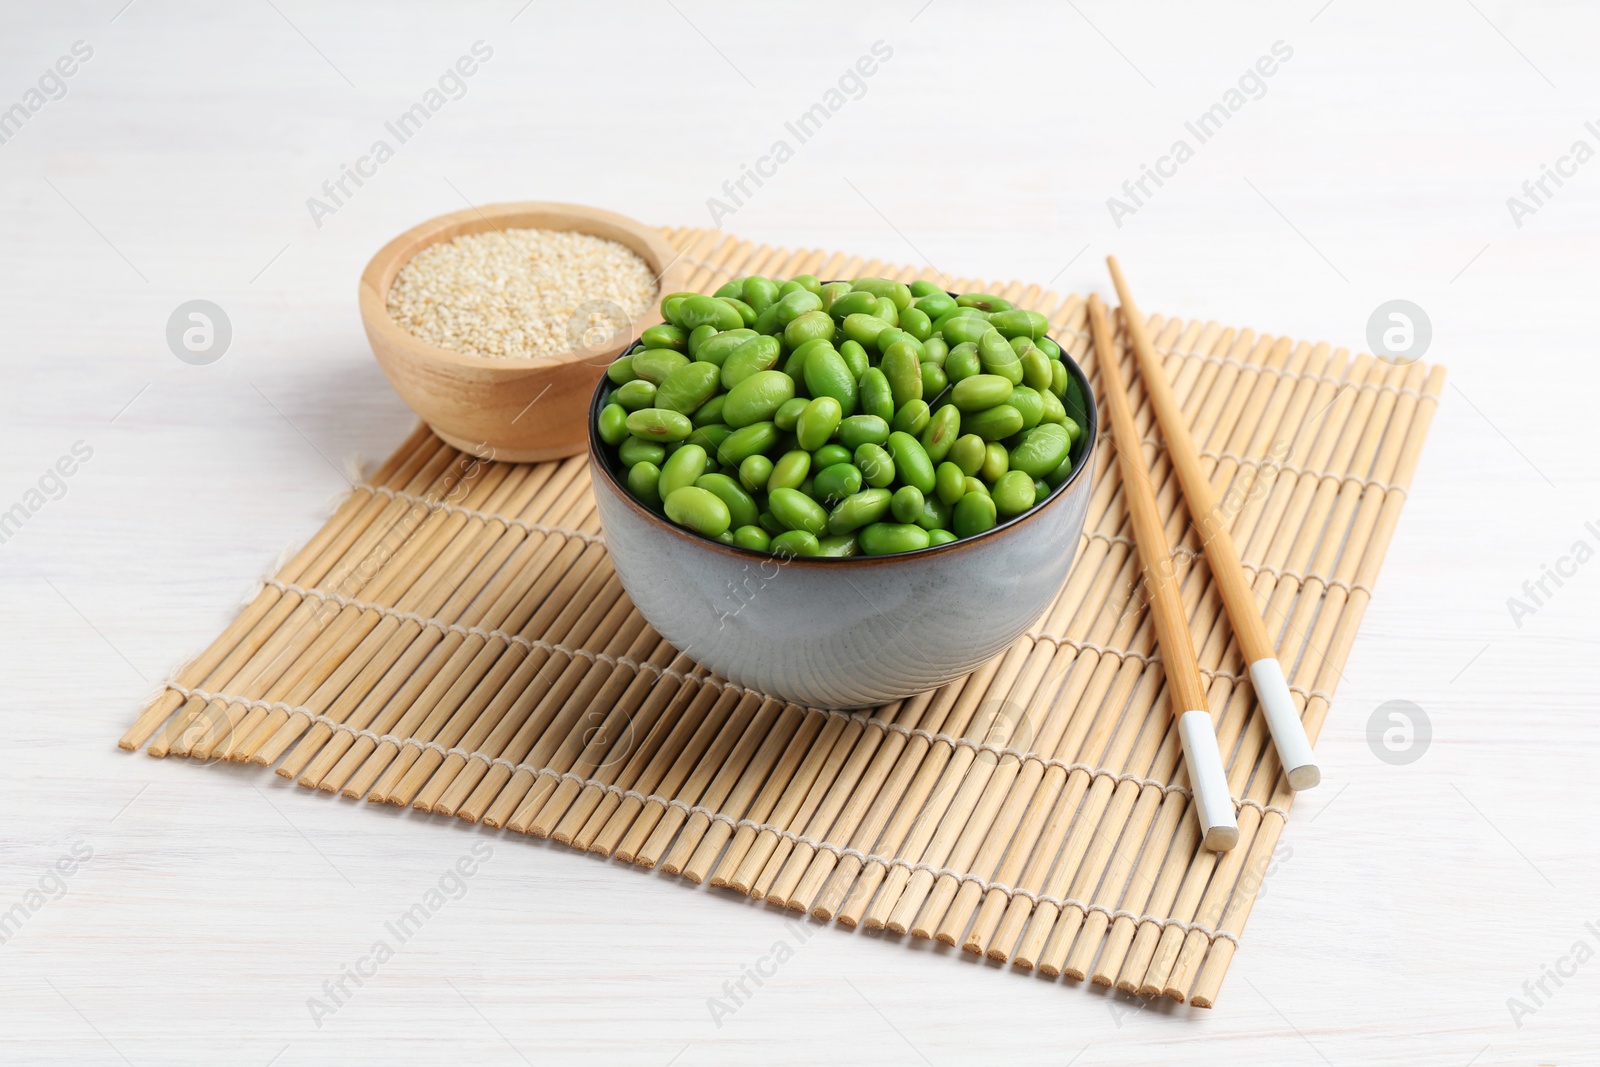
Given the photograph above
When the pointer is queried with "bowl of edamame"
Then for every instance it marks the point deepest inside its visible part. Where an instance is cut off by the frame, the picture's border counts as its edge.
(843, 493)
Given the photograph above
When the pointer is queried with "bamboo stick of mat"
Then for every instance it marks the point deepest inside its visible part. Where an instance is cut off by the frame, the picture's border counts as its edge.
(1272, 689)
(1213, 804)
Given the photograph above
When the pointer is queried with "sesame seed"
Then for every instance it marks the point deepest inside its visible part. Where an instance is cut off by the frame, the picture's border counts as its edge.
(522, 294)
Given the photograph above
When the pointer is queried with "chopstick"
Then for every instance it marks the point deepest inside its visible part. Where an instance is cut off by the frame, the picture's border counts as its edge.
(1186, 693)
(1266, 674)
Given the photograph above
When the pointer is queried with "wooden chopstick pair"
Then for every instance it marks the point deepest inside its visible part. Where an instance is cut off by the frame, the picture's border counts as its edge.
(1186, 691)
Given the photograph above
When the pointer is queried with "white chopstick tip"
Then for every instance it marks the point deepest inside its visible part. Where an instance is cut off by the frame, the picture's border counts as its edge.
(1213, 804)
(1283, 722)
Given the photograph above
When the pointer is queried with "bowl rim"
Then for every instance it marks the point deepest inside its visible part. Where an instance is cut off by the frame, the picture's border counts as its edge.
(1090, 440)
(372, 288)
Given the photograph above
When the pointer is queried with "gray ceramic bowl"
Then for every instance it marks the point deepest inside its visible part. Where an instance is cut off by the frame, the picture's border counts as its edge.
(844, 633)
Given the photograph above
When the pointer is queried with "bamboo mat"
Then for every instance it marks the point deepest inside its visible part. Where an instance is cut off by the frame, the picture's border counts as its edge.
(455, 639)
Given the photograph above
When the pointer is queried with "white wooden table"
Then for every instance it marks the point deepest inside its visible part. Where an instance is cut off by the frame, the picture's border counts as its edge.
(1376, 164)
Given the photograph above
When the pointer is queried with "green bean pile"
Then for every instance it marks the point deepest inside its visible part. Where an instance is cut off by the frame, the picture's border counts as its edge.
(865, 417)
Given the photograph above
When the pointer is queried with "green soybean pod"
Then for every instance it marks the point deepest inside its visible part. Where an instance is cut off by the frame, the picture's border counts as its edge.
(837, 481)
(788, 414)
(1042, 450)
(1049, 347)
(899, 292)
(767, 322)
(838, 546)
(831, 292)
(1060, 474)
(984, 302)
(887, 538)
(682, 468)
(655, 364)
(855, 357)
(634, 395)
(1037, 370)
(760, 293)
(911, 463)
(658, 424)
(621, 370)
(727, 289)
(792, 543)
(709, 437)
(665, 335)
(698, 337)
(939, 436)
(795, 304)
(747, 441)
(904, 373)
(1053, 410)
(876, 465)
(790, 471)
(719, 346)
(828, 455)
(710, 411)
(747, 314)
(754, 473)
(644, 479)
(635, 450)
(939, 537)
(612, 424)
(858, 430)
(991, 424)
(935, 304)
(906, 504)
(812, 326)
(996, 461)
(1059, 379)
(1029, 403)
(968, 453)
(963, 362)
(686, 388)
(757, 398)
(884, 309)
(708, 311)
(854, 303)
(859, 509)
(1012, 494)
(963, 329)
(950, 483)
(998, 357)
(1017, 322)
(828, 375)
(933, 379)
(751, 357)
(979, 392)
(912, 417)
(797, 511)
(891, 337)
(923, 287)
(935, 514)
(741, 505)
(874, 397)
(973, 514)
(935, 350)
(917, 324)
(864, 329)
(752, 537)
(697, 509)
(670, 305)
(818, 421)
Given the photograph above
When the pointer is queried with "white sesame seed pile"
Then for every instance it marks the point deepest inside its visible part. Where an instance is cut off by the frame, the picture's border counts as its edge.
(522, 294)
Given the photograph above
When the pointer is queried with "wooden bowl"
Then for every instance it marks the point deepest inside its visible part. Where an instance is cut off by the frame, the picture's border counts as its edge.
(517, 410)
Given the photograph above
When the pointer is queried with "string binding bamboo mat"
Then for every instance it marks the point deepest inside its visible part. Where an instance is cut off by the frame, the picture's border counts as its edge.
(455, 639)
